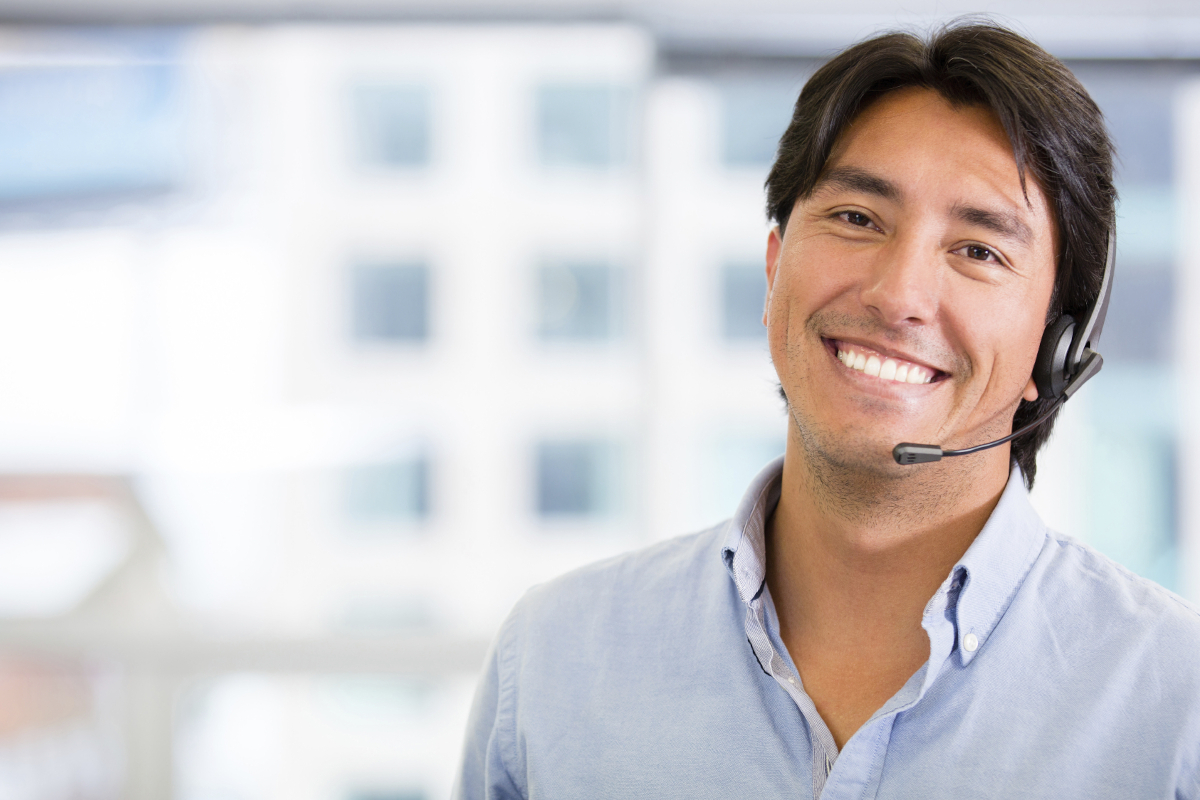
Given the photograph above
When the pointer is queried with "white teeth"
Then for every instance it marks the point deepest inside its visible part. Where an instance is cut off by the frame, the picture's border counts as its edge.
(889, 369)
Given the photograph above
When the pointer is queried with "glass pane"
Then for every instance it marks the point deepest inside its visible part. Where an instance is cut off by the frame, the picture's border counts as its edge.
(575, 478)
(754, 114)
(1139, 322)
(734, 460)
(1130, 455)
(75, 132)
(1137, 108)
(1131, 463)
(743, 292)
(391, 302)
(577, 301)
(1133, 479)
(393, 125)
(397, 491)
(583, 126)
(1147, 222)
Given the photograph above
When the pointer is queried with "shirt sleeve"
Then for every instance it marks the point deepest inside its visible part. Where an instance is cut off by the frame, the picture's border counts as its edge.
(486, 772)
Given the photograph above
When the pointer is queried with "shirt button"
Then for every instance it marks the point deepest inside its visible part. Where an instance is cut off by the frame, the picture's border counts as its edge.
(792, 681)
(971, 642)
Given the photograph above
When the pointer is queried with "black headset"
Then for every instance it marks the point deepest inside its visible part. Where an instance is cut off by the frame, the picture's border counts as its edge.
(1066, 359)
(1067, 349)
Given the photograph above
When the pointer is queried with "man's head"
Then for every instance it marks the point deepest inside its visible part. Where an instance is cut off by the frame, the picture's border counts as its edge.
(903, 282)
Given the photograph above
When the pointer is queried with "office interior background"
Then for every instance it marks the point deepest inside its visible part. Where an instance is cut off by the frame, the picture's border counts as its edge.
(326, 330)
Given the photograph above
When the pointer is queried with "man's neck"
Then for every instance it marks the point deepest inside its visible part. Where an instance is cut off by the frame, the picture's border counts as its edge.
(851, 566)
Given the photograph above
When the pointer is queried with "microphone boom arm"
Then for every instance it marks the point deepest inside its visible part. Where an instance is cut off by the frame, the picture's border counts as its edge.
(909, 453)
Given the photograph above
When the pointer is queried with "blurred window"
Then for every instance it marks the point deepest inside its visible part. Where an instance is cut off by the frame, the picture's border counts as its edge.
(392, 492)
(584, 125)
(1134, 475)
(733, 461)
(579, 301)
(399, 794)
(575, 478)
(754, 114)
(89, 131)
(743, 292)
(392, 124)
(1132, 455)
(1138, 112)
(1148, 218)
(391, 302)
(1138, 327)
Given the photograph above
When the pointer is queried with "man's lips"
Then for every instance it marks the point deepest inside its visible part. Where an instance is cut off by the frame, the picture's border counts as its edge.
(883, 364)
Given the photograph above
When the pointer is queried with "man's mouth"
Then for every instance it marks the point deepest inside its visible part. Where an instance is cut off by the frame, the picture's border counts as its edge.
(884, 367)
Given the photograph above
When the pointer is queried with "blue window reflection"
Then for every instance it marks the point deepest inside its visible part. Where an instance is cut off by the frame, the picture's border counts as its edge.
(743, 292)
(396, 491)
(90, 131)
(392, 124)
(581, 125)
(576, 478)
(1131, 457)
(733, 461)
(754, 114)
(390, 302)
(1139, 323)
(398, 794)
(579, 302)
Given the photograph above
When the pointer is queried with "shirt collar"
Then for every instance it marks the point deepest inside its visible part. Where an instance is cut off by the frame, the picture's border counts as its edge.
(995, 565)
(978, 590)
(745, 549)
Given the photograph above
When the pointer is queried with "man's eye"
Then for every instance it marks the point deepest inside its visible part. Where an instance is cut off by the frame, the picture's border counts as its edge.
(856, 218)
(980, 253)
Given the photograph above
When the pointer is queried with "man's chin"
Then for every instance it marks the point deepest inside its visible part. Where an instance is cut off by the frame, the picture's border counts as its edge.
(848, 454)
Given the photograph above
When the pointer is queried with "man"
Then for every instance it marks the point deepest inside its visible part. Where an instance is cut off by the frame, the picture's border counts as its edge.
(863, 628)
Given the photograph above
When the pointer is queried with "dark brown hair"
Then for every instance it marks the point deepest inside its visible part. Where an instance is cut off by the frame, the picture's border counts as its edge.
(1056, 130)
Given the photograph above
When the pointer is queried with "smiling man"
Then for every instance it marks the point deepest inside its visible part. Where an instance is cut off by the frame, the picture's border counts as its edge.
(864, 628)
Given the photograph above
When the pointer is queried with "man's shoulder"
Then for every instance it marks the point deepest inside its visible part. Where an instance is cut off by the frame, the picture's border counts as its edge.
(1105, 599)
(662, 566)
(636, 589)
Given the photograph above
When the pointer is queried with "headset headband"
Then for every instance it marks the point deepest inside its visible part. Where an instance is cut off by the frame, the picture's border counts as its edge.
(1088, 334)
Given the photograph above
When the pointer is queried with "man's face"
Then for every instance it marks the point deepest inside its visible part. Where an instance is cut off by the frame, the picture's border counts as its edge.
(907, 297)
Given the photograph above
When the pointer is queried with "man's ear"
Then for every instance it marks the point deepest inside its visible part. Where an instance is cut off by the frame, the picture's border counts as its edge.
(774, 248)
(1031, 391)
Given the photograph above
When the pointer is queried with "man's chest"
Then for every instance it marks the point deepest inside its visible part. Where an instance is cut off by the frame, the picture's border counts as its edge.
(700, 734)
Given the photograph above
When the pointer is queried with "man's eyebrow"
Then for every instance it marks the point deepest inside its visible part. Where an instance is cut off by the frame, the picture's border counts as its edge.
(1004, 223)
(858, 180)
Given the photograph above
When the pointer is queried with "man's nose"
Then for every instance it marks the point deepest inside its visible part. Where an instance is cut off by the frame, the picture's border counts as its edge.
(903, 284)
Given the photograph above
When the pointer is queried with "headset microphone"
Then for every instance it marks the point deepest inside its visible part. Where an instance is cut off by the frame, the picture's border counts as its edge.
(1065, 361)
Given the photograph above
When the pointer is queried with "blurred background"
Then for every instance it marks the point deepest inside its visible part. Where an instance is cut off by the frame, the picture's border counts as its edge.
(328, 328)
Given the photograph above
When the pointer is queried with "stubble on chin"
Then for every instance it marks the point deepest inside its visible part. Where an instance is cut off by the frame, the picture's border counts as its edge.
(847, 477)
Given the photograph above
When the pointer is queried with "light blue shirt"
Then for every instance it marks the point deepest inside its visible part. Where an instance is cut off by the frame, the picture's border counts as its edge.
(1052, 673)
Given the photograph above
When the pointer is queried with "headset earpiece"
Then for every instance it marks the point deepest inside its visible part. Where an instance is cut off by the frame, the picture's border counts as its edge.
(1067, 354)
(1051, 370)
